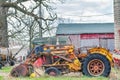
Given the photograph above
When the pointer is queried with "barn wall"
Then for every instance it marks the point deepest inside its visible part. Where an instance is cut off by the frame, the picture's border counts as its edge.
(72, 39)
(102, 40)
(91, 40)
(75, 40)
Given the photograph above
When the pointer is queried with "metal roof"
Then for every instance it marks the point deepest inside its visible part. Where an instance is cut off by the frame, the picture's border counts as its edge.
(81, 28)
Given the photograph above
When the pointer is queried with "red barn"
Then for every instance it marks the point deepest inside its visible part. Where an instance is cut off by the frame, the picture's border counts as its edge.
(88, 34)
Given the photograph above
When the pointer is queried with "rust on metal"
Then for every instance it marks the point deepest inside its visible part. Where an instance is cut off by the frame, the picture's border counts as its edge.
(22, 70)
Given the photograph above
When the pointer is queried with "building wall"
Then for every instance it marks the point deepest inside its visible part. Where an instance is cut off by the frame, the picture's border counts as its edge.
(105, 40)
(92, 40)
(72, 39)
(89, 42)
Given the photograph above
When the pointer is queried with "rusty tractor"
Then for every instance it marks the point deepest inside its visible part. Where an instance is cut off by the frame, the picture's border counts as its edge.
(62, 59)
(5, 58)
(96, 61)
(8, 57)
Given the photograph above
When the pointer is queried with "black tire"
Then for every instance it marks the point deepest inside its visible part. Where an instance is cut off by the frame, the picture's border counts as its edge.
(12, 63)
(0, 66)
(52, 71)
(96, 65)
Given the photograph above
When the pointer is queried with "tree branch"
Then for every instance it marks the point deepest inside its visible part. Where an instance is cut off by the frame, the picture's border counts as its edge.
(14, 5)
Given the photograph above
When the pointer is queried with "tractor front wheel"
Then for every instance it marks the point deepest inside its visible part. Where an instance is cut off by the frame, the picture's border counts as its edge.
(96, 65)
(52, 71)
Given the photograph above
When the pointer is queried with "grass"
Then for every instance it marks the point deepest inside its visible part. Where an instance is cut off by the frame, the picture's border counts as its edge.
(63, 78)
(6, 69)
(1, 78)
(59, 78)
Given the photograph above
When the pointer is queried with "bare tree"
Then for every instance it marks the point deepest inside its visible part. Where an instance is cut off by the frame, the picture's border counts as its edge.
(22, 17)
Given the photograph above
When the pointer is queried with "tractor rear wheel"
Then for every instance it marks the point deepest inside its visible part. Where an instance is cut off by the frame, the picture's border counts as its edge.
(96, 65)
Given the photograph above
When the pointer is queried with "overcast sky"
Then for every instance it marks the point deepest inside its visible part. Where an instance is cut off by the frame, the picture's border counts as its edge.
(86, 10)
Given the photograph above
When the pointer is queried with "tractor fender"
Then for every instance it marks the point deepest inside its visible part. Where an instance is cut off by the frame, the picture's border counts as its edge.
(102, 51)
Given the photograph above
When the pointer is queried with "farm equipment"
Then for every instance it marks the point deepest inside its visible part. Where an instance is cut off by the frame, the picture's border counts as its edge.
(4, 59)
(62, 59)
(25, 68)
(8, 57)
(96, 61)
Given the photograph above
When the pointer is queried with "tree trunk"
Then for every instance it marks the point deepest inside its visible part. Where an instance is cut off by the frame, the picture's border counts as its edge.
(117, 23)
(3, 26)
(40, 21)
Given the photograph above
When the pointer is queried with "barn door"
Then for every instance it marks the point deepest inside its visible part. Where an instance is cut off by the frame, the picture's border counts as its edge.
(89, 42)
(103, 43)
(111, 44)
(107, 43)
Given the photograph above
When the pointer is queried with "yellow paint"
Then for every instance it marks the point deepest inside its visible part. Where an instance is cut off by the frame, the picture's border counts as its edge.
(33, 75)
(76, 65)
(52, 47)
(45, 48)
(102, 51)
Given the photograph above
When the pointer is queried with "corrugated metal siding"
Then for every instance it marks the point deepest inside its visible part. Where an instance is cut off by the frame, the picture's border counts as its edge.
(75, 40)
(78, 42)
(103, 43)
(107, 43)
(111, 45)
(72, 39)
(89, 42)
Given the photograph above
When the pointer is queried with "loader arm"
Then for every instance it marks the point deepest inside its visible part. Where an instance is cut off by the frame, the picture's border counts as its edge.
(18, 51)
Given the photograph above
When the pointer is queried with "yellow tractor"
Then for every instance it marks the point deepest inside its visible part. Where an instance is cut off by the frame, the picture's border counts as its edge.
(63, 59)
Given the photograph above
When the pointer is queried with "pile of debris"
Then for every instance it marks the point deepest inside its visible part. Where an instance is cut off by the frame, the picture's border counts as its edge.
(29, 66)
